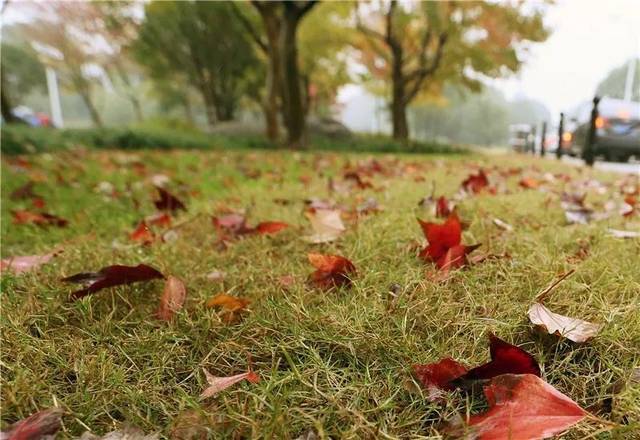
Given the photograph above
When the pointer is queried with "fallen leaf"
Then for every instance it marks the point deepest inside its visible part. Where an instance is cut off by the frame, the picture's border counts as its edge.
(142, 234)
(475, 182)
(286, 281)
(160, 219)
(127, 433)
(618, 233)
(438, 376)
(111, 276)
(24, 192)
(443, 207)
(502, 224)
(36, 426)
(326, 224)
(167, 201)
(523, 407)
(444, 246)
(24, 264)
(172, 299)
(574, 329)
(580, 216)
(232, 307)
(331, 270)
(216, 275)
(270, 227)
(505, 359)
(21, 217)
(217, 384)
(529, 183)
(231, 224)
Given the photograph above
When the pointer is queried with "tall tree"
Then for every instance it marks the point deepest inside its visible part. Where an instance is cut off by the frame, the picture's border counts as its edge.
(292, 94)
(418, 47)
(202, 43)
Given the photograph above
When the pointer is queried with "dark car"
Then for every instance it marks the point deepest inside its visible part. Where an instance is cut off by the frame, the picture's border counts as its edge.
(617, 130)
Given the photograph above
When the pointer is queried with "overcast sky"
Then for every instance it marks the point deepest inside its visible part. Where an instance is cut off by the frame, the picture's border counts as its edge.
(590, 37)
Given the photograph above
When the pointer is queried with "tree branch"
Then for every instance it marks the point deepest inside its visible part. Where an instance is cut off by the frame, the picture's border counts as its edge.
(249, 27)
(421, 73)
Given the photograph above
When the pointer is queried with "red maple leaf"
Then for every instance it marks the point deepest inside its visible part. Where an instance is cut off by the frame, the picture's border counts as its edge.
(332, 270)
(444, 243)
(523, 407)
(476, 182)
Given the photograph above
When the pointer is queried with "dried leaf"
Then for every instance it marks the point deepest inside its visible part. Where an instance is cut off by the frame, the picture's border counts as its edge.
(24, 264)
(173, 298)
(36, 426)
(127, 433)
(232, 307)
(523, 407)
(326, 224)
(502, 225)
(111, 276)
(332, 270)
(574, 329)
(476, 182)
(217, 384)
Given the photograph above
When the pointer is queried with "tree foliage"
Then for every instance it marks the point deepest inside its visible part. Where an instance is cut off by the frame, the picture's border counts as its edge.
(614, 84)
(201, 43)
(418, 47)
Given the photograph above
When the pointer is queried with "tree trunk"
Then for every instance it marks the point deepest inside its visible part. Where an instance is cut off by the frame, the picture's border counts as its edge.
(93, 111)
(293, 108)
(7, 114)
(398, 101)
(272, 26)
(135, 102)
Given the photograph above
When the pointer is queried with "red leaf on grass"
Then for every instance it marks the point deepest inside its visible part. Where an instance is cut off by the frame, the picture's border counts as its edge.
(21, 217)
(217, 384)
(332, 270)
(505, 359)
(270, 227)
(443, 208)
(475, 182)
(167, 201)
(172, 299)
(444, 243)
(529, 183)
(111, 276)
(142, 234)
(36, 426)
(437, 376)
(24, 192)
(161, 219)
(523, 407)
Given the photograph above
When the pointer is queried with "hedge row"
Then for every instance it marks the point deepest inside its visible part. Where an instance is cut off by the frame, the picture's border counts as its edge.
(20, 139)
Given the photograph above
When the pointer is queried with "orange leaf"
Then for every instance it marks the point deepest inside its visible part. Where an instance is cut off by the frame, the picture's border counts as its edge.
(332, 270)
(142, 234)
(231, 306)
(270, 227)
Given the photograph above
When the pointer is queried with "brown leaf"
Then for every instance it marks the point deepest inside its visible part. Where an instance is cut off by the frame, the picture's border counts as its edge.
(217, 384)
(24, 264)
(326, 224)
(231, 307)
(332, 270)
(574, 329)
(172, 299)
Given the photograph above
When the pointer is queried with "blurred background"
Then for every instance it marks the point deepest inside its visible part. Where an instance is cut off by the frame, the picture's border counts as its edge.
(481, 73)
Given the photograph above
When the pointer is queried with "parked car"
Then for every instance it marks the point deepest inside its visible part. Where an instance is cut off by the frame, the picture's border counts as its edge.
(29, 117)
(520, 137)
(617, 130)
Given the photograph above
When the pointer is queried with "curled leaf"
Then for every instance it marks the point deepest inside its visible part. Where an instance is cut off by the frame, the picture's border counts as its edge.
(326, 224)
(111, 276)
(217, 384)
(172, 299)
(574, 329)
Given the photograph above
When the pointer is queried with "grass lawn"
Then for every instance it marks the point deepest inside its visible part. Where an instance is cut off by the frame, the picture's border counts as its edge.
(339, 361)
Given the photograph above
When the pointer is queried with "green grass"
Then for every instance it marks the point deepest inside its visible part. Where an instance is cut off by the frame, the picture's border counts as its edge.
(338, 362)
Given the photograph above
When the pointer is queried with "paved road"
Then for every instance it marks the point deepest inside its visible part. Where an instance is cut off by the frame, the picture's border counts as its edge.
(616, 167)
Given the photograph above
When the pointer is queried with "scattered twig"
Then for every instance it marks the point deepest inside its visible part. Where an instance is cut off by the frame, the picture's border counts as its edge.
(542, 295)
